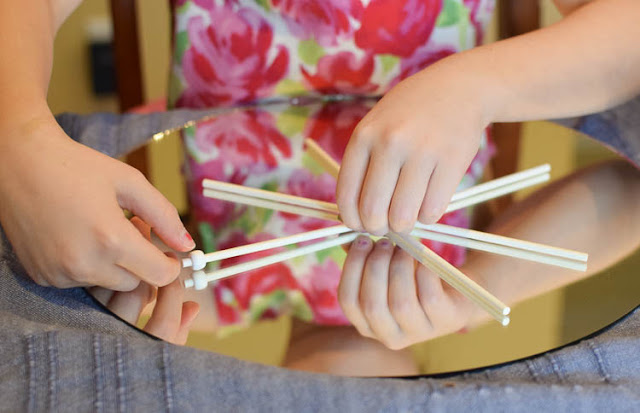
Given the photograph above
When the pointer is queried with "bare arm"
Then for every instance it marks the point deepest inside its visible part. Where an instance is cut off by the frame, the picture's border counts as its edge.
(62, 202)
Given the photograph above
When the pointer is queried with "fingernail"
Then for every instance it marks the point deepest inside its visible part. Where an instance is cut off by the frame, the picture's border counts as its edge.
(188, 241)
(385, 243)
(363, 242)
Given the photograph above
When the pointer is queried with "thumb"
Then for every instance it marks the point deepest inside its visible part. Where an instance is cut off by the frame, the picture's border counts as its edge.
(138, 196)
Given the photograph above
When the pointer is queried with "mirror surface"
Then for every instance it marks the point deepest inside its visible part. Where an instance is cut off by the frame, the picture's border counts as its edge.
(250, 315)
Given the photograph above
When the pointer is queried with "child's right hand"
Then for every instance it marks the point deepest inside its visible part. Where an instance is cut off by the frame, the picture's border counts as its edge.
(62, 210)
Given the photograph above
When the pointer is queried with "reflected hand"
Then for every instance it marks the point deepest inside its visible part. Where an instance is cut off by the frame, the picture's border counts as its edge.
(387, 296)
(171, 317)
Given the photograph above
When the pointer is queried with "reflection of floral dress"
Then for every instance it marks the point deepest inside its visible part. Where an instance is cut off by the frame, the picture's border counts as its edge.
(237, 51)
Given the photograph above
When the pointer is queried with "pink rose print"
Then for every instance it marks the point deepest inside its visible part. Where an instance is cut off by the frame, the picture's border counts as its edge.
(232, 60)
(304, 183)
(331, 127)
(254, 283)
(325, 21)
(422, 58)
(244, 138)
(320, 289)
(215, 212)
(397, 27)
(342, 73)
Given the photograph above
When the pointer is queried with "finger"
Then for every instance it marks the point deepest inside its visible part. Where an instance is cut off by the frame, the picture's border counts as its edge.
(129, 305)
(167, 315)
(103, 295)
(431, 295)
(374, 293)
(349, 287)
(350, 179)
(137, 195)
(408, 195)
(146, 261)
(143, 228)
(403, 296)
(442, 185)
(114, 277)
(190, 310)
(377, 189)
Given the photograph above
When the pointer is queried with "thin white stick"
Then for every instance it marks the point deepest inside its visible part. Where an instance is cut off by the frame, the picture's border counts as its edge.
(270, 244)
(433, 228)
(503, 181)
(454, 277)
(324, 159)
(495, 193)
(501, 250)
(248, 200)
(270, 195)
(279, 257)
(505, 241)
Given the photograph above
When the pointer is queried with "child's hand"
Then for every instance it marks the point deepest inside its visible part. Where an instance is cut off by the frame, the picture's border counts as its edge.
(62, 210)
(387, 296)
(408, 154)
(171, 317)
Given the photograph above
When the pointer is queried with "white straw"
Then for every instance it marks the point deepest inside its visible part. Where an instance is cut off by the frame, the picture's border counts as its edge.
(270, 195)
(279, 257)
(495, 193)
(502, 250)
(248, 200)
(453, 277)
(270, 244)
(506, 241)
(505, 180)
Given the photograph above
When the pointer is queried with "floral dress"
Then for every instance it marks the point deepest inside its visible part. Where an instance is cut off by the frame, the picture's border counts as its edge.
(236, 52)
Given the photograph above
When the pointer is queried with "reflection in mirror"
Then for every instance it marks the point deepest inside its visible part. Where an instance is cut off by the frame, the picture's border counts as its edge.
(290, 313)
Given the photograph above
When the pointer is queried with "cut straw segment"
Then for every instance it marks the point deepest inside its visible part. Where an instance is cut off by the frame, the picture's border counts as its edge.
(275, 258)
(453, 277)
(495, 193)
(505, 180)
(431, 232)
(501, 250)
(262, 203)
(270, 195)
(270, 244)
(506, 241)
(319, 155)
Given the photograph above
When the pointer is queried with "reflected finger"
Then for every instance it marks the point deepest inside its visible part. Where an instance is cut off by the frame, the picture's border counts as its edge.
(374, 294)
(349, 287)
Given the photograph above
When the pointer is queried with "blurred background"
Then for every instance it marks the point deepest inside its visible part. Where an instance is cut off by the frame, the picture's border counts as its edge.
(83, 82)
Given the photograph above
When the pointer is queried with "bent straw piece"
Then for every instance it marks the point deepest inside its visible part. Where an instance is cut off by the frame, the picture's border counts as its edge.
(506, 241)
(270, 244)
(495, 193)
(453, 277)
(501, 250)
(503, 181)
(270, 195)
(279, 257)
(323, 158)
(248, 200)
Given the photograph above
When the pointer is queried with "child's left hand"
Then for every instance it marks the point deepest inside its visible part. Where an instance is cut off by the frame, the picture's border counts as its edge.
(390, 298)
(408, 154)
